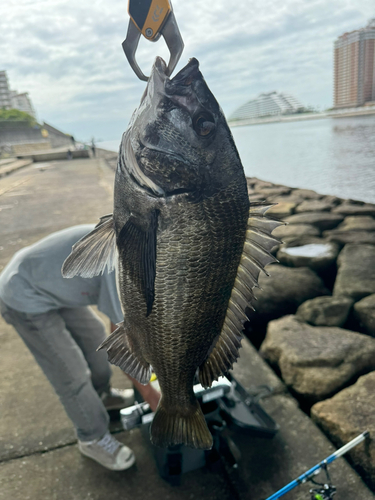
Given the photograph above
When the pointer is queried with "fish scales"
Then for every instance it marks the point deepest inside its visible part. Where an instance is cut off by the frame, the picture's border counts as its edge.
(189, 249)
(197, 261)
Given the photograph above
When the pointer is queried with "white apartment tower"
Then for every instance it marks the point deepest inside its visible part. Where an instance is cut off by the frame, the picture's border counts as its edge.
(268, 104)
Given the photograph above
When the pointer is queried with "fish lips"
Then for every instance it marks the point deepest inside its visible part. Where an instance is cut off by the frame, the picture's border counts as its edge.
(160, 83)
(157, 80)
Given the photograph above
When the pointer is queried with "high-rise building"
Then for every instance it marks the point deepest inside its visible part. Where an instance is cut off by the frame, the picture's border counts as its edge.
(11, 99)
(5, 99)
(354, 67)
(22, 102)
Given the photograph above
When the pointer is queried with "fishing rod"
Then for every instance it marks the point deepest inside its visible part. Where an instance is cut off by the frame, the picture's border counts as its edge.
(308, 476)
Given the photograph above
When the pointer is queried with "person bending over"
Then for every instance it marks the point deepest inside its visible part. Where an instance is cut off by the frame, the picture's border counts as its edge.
(53, 318)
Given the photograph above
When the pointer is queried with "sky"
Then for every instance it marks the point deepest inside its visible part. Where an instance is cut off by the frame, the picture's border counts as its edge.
(67, 54)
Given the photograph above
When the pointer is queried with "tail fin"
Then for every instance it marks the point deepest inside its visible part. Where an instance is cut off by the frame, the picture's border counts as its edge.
(190, 429)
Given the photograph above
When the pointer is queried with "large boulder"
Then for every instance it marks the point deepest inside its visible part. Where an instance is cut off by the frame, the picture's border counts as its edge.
(325, 311)
(357, 223)
(356, 271)
(344, 237)
(315, 206)
(321, 220)
(272, 191)
(285, 289)
(348, 414)
(282, 210)
(306, 194)
(332, 199)
(256, 197)
(292, 231)
(315, 253)
(290, 198)
(365, 312)
(354, 208)
(317, 361)
(256, 183)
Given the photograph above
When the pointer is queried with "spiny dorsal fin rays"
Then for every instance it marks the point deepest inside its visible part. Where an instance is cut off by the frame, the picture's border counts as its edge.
(255, 256)
(247, 276)
(260, 207)
(244, 289)
(266, 224)
(257, 253)
(261, 238)
(253, 266)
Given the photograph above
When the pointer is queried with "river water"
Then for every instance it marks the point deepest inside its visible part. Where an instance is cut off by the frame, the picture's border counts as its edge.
(331, 156)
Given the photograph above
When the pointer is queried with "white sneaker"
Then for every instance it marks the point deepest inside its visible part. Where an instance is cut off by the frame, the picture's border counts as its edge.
(116, 399)
(108, 452)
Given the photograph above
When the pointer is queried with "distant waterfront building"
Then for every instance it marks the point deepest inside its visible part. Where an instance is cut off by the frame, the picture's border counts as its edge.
(5, 100)
(22, 102)
(354, 67)
(268, 104)
(11, 99)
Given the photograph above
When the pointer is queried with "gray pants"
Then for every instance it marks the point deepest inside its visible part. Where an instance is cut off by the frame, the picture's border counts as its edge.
(64, 344)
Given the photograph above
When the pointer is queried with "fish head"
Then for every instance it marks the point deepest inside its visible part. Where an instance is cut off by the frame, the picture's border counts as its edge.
(178, 140)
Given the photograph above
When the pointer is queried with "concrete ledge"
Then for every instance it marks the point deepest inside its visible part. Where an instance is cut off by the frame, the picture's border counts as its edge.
(57, 155)
(64, 474)
(10, 167)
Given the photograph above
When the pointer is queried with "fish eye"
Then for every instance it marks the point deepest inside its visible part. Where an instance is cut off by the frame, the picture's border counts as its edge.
(204, 124)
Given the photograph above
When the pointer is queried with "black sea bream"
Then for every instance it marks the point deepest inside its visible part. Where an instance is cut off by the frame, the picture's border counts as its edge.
(189, 249)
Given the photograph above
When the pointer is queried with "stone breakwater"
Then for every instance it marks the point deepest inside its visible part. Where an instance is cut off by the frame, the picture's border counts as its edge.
(315, 315)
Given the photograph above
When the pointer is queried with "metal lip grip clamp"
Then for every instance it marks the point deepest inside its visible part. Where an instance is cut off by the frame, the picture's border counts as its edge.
(152, 19)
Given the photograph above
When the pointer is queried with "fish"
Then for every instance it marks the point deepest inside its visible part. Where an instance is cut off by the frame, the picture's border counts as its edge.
(188, 247)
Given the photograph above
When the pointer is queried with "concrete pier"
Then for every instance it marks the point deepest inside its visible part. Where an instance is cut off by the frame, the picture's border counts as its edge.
(39, 458)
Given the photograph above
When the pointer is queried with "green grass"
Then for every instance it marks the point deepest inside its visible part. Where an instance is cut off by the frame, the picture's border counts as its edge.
(16, 116)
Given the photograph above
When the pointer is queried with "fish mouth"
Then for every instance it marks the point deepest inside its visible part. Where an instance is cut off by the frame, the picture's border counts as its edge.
(160, 83)
(186, 75)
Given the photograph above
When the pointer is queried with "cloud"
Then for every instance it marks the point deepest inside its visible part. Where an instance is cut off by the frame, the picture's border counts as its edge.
(68, 55)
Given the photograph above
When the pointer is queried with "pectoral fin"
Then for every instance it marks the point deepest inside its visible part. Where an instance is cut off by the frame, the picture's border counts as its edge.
(92, 253)
(137, 241)
(255, 256)
(124, 353)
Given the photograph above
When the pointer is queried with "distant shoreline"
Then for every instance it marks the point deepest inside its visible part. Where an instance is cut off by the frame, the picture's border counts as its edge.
(342, 113)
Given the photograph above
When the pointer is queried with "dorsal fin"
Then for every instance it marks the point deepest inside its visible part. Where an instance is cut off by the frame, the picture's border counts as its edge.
(255, 257)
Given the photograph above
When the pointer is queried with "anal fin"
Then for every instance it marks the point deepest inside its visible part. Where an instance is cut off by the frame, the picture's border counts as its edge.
(120, 353)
